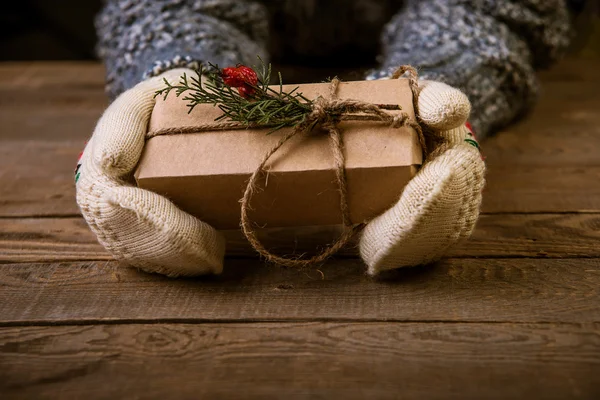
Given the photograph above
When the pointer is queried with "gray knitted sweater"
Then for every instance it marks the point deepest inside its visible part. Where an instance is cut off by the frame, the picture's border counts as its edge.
(488, 48)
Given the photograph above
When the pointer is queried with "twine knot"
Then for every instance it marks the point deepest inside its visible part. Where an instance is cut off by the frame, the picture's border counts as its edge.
(319, 111)
(398, 120)
(325, 112)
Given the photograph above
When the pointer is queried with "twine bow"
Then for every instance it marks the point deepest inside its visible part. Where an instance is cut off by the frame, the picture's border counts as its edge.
(326, 112)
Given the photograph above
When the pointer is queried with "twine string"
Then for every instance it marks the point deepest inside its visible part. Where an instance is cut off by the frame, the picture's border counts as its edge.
(328, 113)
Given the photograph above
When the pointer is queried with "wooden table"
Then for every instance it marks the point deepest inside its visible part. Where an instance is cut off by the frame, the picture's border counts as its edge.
(514, 312)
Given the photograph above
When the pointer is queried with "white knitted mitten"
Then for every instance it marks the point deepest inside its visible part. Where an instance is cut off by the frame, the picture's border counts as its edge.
(440, 205)
(139, 227)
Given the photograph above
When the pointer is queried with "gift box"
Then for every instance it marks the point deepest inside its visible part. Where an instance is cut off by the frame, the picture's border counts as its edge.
(206, 173)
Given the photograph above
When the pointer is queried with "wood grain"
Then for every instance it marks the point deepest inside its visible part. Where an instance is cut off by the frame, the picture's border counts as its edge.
(496, 235)
(563, 130)
(48, 239)
(573, 69)
(72, 121)
(51, 75)
(530, 290)
(302, 361)
(36, 179)
(533, 235)
(526, 189)
(50, 101)
(553, 136)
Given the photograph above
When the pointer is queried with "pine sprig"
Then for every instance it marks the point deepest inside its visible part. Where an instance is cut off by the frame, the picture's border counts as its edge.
(262, 105)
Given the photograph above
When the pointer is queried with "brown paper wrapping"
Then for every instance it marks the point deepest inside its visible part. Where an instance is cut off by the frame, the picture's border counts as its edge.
(206, 173)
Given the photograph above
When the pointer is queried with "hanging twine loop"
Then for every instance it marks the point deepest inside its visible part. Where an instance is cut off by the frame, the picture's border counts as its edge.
(327, 113)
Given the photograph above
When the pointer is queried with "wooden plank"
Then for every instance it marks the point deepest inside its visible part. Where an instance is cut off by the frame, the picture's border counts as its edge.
(515, 189)
(51, 75)
(71, 113)
(48, 239)
(534, 235)
(302, 360)
(544, 147)
(526, 290)
(41, 74)
(36, 179)
(573, 69)
(538, 140)
(497, 235)
(67, 119)
(50, 100)
(556, 134)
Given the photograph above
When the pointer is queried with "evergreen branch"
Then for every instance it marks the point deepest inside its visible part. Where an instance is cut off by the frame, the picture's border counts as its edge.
(261, 105)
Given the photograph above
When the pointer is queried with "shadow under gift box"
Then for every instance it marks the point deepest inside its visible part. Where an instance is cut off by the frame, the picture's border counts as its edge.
(297, 205)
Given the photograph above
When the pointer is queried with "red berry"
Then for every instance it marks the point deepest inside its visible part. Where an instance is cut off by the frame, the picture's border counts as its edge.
(250, 76)
(246, 91)
(239, 76)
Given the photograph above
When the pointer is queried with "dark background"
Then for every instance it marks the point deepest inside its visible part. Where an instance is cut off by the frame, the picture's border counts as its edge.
(48, 29)
(64, 29)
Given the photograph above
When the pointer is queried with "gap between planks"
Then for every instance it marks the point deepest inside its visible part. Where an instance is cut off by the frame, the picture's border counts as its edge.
(275, 321)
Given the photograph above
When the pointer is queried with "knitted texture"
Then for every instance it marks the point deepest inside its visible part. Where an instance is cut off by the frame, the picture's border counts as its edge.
(487, 48)
(440, 205)
(438, 208)
(137, 226)
(139, 39)
(441, 107)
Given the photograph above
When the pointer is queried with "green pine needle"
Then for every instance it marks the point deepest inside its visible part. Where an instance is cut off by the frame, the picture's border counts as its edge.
(265, 108)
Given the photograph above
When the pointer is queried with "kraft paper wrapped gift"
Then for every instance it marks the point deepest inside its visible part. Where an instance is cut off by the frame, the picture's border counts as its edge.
(206, 173)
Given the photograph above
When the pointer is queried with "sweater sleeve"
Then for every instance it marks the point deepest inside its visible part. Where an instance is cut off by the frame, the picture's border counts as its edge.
(138, 39)
(543, 24)
(487, 48)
